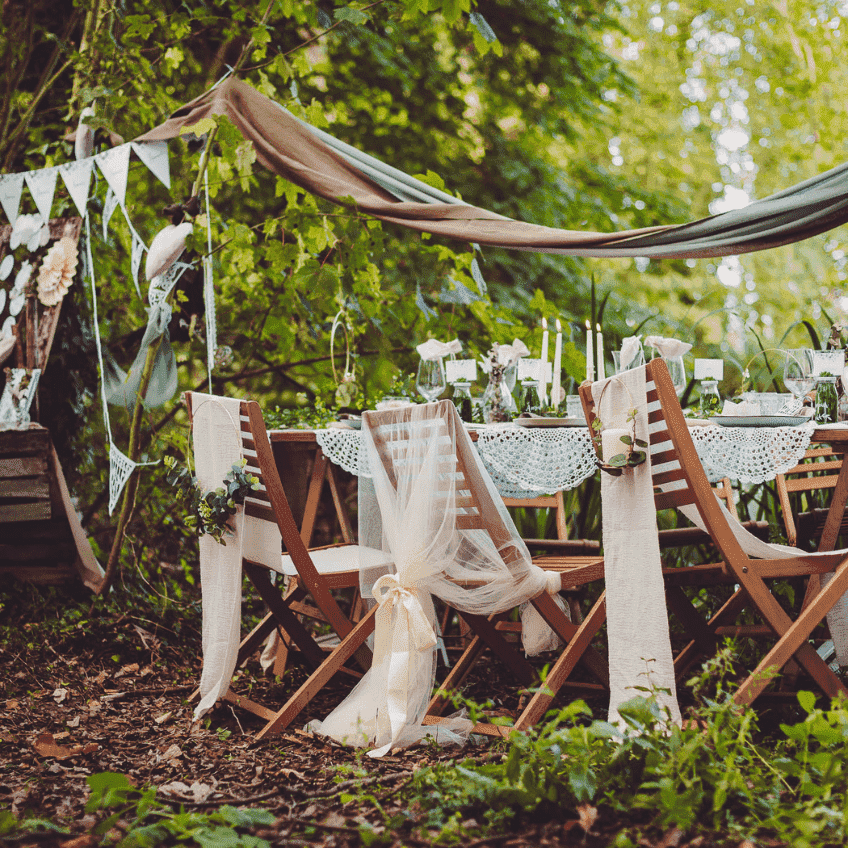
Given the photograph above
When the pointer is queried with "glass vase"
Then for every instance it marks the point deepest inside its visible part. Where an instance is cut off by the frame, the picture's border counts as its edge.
(498, 402)
(826, 400)
(462, 401)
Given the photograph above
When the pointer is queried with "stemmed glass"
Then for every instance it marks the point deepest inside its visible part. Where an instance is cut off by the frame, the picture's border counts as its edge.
(677, 370)
(798, 372)
(431, 378)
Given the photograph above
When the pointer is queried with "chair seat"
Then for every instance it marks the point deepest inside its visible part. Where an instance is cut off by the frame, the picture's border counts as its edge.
(338, 559)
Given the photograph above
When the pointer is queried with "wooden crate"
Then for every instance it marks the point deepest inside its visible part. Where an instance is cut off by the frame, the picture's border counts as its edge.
(41, 539)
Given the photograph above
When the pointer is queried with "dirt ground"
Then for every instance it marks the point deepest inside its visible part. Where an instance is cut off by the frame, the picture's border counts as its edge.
(113, 698)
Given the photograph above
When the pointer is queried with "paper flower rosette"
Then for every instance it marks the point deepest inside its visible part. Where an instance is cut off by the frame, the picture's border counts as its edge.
(57, 271)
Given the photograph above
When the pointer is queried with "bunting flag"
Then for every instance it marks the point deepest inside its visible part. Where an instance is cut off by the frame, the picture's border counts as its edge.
(120, 470)
(11, 186)
(110, 204)
(154, 154)
(42, 187)
(114, 164)
(77, 179)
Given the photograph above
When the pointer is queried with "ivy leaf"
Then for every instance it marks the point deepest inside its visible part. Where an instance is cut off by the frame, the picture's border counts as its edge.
(353, 16)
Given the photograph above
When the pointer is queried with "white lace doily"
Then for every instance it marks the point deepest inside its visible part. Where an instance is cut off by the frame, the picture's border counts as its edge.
(528, 461)
(536, 460)
(750, 454)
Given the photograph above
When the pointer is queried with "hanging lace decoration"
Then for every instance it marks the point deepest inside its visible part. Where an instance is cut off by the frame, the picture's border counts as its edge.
(138, 249)
(209, 290)
(160, 287)
(120, 470)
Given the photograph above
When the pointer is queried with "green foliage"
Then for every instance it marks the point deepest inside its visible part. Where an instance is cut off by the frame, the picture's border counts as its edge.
(147, 822)
(210, 512)
(712, 775)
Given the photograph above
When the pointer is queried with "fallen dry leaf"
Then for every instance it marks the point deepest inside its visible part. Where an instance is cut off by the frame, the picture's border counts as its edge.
(87, 840)
(73, 722)
(12, 705)
(59, 695)
(171, 754)
(45, 745)
(164, 717)
(587, 815)
(131, 668)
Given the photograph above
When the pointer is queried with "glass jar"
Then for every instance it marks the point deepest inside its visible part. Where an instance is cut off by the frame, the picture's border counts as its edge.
(826, 409)
(498, 403)
(462, 400)
(529, 400)
(710, 398)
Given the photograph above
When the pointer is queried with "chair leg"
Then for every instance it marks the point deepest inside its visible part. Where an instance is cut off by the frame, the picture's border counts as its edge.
(554, 616)
(564, 665)
(290, 622)
(793, 642)
(320, 677)
(692, 652)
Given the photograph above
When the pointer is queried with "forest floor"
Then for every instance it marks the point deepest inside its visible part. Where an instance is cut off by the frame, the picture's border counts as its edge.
(108, 695)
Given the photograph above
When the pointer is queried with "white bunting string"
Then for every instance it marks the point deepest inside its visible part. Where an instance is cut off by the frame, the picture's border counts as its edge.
(11, 186)
(137, 255)
(110, 204)
(209, 289)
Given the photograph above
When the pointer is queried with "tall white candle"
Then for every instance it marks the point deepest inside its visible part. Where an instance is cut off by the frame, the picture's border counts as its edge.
(543, 365)
(602, 372)
(556, 385)
(590, 355)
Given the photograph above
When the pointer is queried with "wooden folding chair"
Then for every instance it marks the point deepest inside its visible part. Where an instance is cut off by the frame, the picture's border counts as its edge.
(318, 572)
(478, 511)
(682, 482)
(818, 471)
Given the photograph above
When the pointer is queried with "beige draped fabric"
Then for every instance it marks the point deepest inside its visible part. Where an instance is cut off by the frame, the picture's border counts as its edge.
(326, 167)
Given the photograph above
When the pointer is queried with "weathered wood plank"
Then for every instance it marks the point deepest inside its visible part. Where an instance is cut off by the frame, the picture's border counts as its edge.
(27, 511)
(31, 488)
(23, 466)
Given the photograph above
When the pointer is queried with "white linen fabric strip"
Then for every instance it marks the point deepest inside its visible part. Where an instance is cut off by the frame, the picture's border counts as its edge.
(637, 619)
(217, 446)
(417, 529)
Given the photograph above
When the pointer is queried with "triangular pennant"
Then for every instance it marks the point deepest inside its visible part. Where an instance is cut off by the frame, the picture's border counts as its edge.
(120, 470)
(135, 259)
(114, 164)
(110, 204)
(11, 186)
(77, 178)
(154, 154)
(42, 187)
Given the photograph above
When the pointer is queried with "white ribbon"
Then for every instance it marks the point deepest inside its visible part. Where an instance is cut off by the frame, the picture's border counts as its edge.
(402, 629)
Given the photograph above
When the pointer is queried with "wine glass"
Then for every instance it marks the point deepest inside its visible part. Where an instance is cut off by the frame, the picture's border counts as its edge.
(798, 372)
(431, 378)
(677, 370)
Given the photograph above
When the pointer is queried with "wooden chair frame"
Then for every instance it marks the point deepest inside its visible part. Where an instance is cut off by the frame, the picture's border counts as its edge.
(480, 511)
(672, 443)
(310, 597)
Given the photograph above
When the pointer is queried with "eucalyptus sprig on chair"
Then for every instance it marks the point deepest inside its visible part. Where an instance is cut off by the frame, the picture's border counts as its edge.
(631, 456)
(211, 512)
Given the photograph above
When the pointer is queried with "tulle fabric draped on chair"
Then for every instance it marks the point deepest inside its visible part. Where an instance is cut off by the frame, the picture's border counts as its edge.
(446, 530)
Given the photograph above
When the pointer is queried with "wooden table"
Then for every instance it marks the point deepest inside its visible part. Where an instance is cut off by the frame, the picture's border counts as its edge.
(322, 470)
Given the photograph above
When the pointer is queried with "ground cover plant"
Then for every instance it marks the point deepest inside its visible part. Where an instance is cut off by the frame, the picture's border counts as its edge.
(97, 746)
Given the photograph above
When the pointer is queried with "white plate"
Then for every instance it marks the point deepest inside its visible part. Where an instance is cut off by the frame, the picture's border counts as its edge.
(550, 422)
(760, 420)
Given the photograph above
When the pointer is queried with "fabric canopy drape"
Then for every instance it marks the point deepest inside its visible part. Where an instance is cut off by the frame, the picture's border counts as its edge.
(326, 167)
